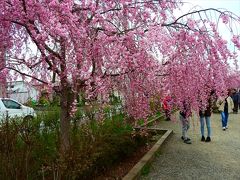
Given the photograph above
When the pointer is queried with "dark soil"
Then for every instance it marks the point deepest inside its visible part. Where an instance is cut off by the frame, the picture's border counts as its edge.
(120, 169)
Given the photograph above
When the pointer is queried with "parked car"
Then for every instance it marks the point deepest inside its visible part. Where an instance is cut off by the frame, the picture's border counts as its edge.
(12, 108)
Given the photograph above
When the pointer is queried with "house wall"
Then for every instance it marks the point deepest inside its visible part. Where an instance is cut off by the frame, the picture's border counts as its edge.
(22, 92)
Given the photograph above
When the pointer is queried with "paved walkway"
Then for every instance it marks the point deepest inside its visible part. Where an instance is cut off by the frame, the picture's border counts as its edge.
(219, 159)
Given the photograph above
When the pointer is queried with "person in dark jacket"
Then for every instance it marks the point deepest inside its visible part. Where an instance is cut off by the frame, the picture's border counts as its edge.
(185, 114)
(238, 98)
(235, 101)
(205, 116)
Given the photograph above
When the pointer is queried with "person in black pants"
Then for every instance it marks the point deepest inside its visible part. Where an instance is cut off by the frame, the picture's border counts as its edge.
(238, 98)
(235, 98)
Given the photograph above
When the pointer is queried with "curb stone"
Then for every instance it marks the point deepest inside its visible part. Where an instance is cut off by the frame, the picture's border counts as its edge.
(135, 172)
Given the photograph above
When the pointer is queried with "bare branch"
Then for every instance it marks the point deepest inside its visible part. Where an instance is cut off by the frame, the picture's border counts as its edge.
(24, 74)
(162, 75)
(190, 13)
(117, 74)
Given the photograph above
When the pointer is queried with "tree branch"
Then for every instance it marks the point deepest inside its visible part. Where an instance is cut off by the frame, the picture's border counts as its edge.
(118, 74)
(193, 12)
(38, 46)
(24, 74)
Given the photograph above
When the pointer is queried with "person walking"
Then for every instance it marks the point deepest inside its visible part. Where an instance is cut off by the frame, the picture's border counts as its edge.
(167, 105)
(238, 98)
(235, 101)
(205, 116)
(185, 114)
(225, 106)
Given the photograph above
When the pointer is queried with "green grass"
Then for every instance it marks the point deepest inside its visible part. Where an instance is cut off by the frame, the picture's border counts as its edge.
(146, 170)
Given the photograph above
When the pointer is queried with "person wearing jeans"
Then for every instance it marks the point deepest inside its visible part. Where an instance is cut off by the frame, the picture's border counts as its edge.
(208, 124)
(205, 116)
(224, 116)
(225, 106)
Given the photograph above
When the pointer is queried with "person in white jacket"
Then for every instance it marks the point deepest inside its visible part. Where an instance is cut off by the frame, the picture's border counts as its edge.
(225, 106)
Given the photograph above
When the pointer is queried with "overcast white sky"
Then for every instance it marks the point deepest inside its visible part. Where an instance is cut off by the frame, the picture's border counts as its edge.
(232, 5)
(229, 5)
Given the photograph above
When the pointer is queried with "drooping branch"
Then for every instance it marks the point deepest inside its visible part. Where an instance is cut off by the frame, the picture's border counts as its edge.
(25, 74)
(194, 12)
(39, 46)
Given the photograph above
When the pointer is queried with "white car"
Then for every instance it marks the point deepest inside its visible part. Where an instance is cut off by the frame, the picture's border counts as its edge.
(12, 108)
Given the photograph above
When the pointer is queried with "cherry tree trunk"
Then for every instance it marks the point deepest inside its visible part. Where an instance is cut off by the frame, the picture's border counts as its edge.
(3, 81)
(66, 100)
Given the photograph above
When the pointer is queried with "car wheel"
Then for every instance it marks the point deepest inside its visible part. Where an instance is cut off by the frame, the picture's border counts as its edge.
(27, 118)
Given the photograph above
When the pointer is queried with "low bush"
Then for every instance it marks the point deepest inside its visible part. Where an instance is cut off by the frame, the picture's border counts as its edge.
(30, 150)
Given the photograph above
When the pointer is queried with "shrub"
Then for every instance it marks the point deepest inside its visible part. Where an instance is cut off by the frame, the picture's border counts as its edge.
(30, 150)
(24, 149)
(31, 103)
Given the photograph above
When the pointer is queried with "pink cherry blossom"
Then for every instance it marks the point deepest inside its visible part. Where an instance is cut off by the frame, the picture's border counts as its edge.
(225, 18)
(136, 48)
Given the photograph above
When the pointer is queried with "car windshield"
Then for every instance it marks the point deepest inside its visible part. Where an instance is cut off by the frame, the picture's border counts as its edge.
(11, 104)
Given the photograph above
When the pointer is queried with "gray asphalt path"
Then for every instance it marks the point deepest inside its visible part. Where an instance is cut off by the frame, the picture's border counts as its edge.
(219, 159)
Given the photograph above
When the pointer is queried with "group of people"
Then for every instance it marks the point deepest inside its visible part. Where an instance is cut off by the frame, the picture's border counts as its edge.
(225, 106)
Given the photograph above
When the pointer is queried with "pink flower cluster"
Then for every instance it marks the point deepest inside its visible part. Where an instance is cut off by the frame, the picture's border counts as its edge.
(137, 48)
(236, 41)
(225, 18)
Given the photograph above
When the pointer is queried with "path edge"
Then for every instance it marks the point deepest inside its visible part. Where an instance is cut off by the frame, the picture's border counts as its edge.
(135, 172)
